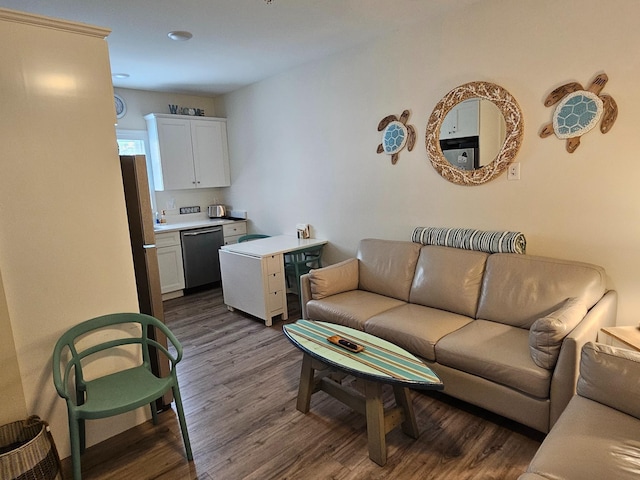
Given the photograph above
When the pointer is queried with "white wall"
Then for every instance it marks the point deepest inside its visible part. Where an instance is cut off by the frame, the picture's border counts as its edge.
(10, 381)
(304, 143)
(65, 254)
(141, 102)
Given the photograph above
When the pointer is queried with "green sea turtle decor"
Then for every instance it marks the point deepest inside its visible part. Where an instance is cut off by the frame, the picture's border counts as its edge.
(396, 134)
(579, 111)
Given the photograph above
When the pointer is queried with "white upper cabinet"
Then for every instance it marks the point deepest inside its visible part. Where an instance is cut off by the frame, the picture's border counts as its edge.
(461, 121)
(188, 152)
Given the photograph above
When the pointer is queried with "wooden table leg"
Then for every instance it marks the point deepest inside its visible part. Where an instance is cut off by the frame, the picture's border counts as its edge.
(305, 389)
(403, 400)
(378, 421)
(375, 422)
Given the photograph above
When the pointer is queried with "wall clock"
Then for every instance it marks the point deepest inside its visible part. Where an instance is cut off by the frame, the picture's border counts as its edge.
(121, 107)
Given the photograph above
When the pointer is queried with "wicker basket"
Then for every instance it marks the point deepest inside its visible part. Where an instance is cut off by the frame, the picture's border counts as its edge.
(27, 451)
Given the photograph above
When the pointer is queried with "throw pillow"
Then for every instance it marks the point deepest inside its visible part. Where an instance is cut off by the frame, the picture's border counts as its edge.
(334, 279)
(546, 333)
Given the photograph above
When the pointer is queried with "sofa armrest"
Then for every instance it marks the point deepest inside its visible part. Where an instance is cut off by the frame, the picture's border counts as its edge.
(609, 375)
(305, 294)
(324, 282)
(565, 375)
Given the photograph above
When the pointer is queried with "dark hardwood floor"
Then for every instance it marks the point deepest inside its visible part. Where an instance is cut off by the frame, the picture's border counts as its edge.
(239, 384)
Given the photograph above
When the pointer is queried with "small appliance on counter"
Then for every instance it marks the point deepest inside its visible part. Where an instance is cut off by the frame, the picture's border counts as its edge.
(222, 212)
(217, 211)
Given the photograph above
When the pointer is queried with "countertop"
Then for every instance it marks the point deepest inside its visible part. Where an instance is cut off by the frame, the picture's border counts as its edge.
(189, 225)
(272, 245)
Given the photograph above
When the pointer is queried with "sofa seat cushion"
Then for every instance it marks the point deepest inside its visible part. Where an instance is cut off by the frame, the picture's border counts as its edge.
(590, 440)
(415, 328)
(448, 279)
(351, 309)
(496, 352)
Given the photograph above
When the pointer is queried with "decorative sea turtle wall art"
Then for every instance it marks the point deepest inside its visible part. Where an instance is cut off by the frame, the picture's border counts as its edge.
(579, 111)
(395, 135)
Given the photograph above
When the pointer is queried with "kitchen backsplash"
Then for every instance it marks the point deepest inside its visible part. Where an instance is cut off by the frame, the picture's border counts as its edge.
(171, 202)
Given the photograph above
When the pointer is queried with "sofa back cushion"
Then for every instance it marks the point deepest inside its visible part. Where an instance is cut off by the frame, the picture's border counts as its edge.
(448, 279)
(519, 289)
(386, 267)
(609, 375)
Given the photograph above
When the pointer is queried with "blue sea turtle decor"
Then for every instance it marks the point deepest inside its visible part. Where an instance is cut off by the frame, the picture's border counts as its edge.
(396, 134)
(579, 111)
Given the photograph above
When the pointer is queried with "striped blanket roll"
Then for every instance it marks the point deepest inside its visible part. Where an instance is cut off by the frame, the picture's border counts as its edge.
(470, 239)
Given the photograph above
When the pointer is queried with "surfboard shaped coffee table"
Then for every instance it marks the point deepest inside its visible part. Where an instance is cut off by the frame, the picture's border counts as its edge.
(381, 362)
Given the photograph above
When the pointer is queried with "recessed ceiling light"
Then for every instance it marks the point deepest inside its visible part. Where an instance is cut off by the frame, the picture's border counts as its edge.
(120, 75)
(179, 35)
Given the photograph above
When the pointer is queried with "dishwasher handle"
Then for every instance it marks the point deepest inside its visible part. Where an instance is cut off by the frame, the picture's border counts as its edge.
(200, 232)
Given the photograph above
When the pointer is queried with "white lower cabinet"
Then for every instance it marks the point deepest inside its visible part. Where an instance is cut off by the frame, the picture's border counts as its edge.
(233, 231)
(254, 284)
(169, 251)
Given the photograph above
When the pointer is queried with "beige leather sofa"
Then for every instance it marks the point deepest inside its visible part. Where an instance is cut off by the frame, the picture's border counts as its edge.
(597, 437)
(502, 331)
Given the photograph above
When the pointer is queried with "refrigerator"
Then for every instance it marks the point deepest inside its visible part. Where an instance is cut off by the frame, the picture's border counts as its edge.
(463, 158)
(145, 256)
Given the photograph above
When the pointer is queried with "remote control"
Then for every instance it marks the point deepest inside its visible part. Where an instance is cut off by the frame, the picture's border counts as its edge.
(346, 344)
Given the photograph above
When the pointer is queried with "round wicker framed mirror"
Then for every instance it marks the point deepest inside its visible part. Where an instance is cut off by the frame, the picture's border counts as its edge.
(512, 139)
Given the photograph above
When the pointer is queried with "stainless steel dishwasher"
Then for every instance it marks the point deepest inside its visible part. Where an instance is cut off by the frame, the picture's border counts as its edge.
(200, 255)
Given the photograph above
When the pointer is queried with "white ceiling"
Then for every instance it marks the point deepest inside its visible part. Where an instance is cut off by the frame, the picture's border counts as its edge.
(235, 42)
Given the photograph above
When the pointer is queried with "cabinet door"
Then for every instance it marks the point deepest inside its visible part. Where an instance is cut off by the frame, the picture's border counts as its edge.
(244, 284)
(468, 115)
(461, 121)
(176, 154)
(449, 125)
(210, 155)
(171, 268)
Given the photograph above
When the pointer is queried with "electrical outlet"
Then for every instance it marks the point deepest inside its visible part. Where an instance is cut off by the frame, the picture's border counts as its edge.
(514, 171)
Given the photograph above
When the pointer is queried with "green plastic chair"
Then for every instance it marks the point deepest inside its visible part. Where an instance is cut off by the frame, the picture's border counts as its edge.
(251, 236)
(299, 262)
(117, 392)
